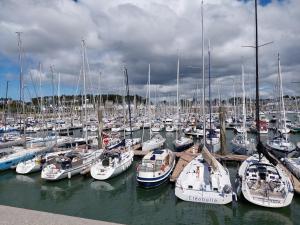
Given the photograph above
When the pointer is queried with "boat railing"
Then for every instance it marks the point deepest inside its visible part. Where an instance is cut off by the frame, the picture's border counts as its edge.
(147, 168)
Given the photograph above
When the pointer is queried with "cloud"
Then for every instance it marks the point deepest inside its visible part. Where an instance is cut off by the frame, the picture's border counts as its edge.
(135, 33)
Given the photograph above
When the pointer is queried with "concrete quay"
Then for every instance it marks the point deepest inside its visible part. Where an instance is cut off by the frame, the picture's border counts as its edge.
(18, 216)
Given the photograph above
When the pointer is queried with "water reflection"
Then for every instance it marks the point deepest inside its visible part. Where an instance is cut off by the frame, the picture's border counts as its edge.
(262, 217)
(26, 179)
(61, 190)
(209, 214)
(156, 196)
(114, 184)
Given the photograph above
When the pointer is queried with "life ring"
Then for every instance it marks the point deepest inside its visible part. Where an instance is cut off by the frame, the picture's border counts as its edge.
(106, 141)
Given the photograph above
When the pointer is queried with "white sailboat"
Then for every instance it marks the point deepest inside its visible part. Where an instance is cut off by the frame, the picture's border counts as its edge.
(241, 144)
(112, 163)
(265, 184)
(204, 180)
(115, 161)
(280, 145)
(261, 180)
(212, 138)
(69, 164)
(36, 164)
(155, 142)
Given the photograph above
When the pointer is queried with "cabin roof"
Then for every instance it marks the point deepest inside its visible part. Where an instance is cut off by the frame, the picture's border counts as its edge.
(157, 154)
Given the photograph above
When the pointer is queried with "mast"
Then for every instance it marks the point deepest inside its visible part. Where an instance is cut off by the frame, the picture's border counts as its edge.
(257, 82)
(128, 101)
(149, 101)
(244, 106)
(203, 78)
(6, 104)
(21, 82)
(58, 96)
(209, 89)
(84, 87)
(281, 96)
(234, 102)
(177, 97)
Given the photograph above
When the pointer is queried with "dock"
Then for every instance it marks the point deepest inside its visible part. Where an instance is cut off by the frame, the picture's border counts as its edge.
(295, 181)
(184, 158)
(188, 155)
(191, 153)
(12, 143)
(18, 216)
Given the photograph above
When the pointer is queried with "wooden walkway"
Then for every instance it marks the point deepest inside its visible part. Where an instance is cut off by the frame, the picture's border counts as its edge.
(184, 158)
(294, 179)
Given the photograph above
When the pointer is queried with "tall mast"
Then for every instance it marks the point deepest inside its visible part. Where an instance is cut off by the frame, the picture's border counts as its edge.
(244, 106)
(281, 96)
(128, 100)
(203, 78)
(257, 79)
(209, 88)
(84, 87)
(177, 96)
(149, 101)
(20, 76)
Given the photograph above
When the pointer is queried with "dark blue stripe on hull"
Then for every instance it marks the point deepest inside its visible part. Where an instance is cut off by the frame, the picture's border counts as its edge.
(146, 184)
(182, 147)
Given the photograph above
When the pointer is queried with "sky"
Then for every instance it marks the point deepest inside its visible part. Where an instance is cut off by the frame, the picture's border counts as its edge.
(136, 33)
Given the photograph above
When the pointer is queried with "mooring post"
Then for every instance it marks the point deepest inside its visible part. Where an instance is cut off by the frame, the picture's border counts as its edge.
(222, 130)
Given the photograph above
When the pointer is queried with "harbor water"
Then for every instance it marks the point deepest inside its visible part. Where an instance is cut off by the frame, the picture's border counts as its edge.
(120, 200)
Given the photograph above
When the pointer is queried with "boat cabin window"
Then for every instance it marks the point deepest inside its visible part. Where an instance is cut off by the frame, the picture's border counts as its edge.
(190, 187)
(145, 161)
(158, 162)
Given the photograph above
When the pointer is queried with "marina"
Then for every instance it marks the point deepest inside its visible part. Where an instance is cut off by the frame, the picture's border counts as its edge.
(123, 130)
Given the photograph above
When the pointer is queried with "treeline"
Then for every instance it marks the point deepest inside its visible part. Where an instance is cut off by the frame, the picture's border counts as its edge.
(91, 99)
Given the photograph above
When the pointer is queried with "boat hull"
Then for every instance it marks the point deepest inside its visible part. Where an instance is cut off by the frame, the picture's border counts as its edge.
(112, 171)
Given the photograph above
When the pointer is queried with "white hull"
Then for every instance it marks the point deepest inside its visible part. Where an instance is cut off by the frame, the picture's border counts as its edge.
(50, 172)
(202, 196)
(100, 172)
(253, 193)
(27, 167)
(149, 146)
(197, 184)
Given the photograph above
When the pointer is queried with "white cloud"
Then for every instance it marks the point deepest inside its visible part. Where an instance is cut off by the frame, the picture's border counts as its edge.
(136, 33)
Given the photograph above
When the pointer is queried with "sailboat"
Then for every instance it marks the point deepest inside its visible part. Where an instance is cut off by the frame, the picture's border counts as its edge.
(213, 138)
(13, 156)
(204, 179)
(115, 161)
(261, 180)
(181, 143)
(280, 145)
(241, 144)
(36, 164)
(157, 140)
